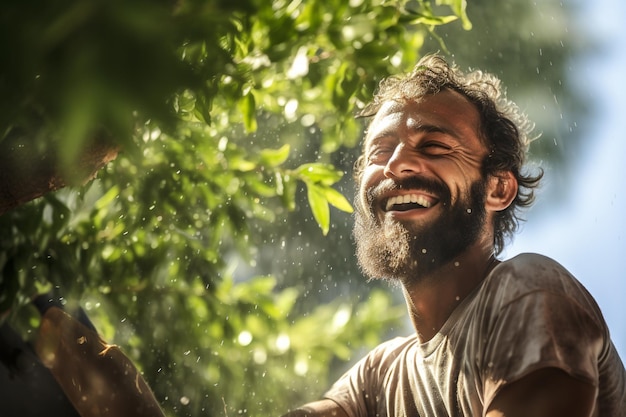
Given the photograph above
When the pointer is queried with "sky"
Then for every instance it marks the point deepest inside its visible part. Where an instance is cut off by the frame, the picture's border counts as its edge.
(586, 230)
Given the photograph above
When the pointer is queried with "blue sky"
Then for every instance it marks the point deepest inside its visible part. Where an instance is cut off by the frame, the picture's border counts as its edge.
(586, 230)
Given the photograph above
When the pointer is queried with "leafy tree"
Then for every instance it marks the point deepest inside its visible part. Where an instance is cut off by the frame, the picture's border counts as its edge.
(220, 115)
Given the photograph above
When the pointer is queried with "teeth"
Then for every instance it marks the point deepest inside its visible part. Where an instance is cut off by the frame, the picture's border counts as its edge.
(407, 198)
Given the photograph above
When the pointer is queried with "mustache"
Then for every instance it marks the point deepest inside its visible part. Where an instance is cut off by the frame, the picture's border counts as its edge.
(429, 185)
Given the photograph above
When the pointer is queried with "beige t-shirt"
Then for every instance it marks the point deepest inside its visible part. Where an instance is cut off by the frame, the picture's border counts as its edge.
(528, 314)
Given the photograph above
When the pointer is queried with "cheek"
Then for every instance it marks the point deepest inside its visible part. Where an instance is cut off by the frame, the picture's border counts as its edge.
(465, 165)
(460, 190)
(462, 174)
(372, 175)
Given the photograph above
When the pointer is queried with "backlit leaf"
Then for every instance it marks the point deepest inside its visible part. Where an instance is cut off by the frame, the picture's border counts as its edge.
(319, 207)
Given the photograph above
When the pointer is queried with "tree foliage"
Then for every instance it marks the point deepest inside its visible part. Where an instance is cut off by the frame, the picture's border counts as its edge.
(225, 112)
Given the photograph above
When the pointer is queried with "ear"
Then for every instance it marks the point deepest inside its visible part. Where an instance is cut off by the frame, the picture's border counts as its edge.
(501, 191)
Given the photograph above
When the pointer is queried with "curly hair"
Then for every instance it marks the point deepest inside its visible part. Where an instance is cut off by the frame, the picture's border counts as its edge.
(504, 129)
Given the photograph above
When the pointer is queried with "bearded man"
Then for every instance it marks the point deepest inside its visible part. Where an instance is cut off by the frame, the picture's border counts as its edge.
(441, 183)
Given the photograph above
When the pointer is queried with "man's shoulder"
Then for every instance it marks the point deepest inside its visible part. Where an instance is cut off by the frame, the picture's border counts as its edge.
(528, 273)
(525, 262)
(533, 269)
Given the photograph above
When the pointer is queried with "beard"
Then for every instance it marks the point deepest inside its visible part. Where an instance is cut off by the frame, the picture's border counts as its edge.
(407, 252)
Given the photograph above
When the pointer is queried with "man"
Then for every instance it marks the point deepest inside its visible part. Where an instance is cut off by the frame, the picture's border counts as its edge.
(441, 184)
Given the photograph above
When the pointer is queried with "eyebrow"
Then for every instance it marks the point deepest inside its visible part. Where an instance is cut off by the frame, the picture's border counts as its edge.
(419, 128)
(429, 128)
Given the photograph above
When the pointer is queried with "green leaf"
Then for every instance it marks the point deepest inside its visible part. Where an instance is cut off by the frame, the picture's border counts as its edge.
(107, 198)
(319, 207)
(433, 20)
(275, 157)
(238, 163)
(336, 199)
(459, 6)
(247, 106)
(185, 102)
(319, 173)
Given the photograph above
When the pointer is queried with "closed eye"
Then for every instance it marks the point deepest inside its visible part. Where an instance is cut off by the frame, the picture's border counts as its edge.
(381, 148)
(436, 148)
(379, 154)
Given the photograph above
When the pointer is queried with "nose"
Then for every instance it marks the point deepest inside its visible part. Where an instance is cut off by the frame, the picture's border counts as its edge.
(403, 163)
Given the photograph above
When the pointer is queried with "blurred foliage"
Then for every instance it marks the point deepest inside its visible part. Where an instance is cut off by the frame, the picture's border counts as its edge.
(230, 116)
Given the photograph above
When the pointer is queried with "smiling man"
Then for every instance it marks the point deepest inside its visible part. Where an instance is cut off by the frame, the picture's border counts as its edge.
(441, 183)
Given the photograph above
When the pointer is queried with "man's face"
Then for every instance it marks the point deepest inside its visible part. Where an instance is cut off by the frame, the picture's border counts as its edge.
(421, 196)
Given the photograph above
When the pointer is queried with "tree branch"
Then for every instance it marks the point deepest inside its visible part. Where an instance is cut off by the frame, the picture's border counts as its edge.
(27, 173)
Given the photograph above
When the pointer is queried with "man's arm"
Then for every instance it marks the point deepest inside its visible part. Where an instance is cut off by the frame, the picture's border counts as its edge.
(322, 408)
(546, 392)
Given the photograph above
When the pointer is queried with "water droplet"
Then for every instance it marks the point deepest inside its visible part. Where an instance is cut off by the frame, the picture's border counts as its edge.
(244, 338)
(283, 342)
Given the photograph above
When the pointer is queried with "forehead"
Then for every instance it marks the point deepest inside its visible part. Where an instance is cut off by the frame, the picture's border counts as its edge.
(447, 110)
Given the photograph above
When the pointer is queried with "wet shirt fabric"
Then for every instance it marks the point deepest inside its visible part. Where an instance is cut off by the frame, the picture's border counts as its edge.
(528, 314)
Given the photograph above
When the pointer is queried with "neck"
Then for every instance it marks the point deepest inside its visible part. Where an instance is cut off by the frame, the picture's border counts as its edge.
(432, 300)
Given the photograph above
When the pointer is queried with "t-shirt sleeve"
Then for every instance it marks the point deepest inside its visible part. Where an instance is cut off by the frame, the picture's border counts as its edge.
(357, 392)
(350, 391)
(547, 321)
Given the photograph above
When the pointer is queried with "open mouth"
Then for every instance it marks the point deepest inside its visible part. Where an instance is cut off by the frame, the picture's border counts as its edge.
(408, 202)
